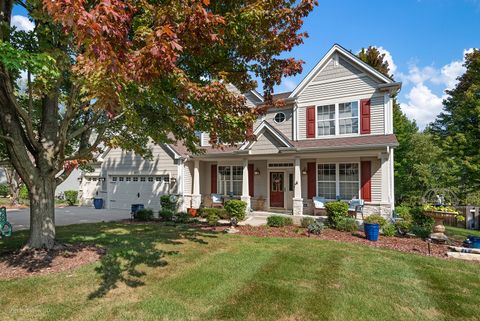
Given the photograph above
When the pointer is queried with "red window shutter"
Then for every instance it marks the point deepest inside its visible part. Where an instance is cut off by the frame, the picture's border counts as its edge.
(366, 180)
(312, 180)
(311, 122)
(365, 116)
(251, 173)
(213, 181)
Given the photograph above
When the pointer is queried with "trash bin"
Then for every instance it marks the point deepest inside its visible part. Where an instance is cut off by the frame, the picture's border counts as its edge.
(135, 208)
(98, 203)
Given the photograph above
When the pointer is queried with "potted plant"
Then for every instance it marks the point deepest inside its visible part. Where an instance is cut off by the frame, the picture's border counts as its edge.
(192, 212)
(372, 225)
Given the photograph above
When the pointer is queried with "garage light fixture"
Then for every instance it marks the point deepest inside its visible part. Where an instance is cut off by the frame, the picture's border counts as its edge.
(173, 180)
(257, 172)
(101, 179)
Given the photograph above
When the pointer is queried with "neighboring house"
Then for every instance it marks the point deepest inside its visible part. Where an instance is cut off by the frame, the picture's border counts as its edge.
(333, 138)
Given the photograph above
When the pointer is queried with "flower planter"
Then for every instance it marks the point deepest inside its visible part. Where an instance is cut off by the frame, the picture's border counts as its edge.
(192, 212)
(371, 231)
(98, 203)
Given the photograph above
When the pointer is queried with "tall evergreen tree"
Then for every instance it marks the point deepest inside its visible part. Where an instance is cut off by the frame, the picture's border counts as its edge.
(457, 128)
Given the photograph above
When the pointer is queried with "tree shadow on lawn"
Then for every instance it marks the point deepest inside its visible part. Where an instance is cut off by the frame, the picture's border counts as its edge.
(129, 246)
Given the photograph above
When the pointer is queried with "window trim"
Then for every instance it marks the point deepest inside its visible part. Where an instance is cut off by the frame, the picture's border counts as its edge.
(337, 177)
(230, 180)
(284, 117)
(337, 119)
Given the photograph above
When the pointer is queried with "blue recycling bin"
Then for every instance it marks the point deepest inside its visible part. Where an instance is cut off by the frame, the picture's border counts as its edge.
(98, 203)
(371, 231)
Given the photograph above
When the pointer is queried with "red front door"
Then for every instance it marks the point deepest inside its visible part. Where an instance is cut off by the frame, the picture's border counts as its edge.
(276, 189)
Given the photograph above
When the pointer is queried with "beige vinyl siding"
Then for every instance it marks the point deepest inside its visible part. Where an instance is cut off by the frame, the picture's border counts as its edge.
(376, 179)
(286, 127)
(206, 139)
(302, 123)
(377, 115)
(337, 89)
(124, 162)
(260, 181)
(265, 144)
(188, 178)
(331, 72)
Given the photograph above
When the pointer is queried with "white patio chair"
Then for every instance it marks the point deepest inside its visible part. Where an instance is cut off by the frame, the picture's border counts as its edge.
(217, 200)
(318, 204)
(355, 206)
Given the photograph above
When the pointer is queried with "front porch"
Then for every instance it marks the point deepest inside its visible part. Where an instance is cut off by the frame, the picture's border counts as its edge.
(286, 184)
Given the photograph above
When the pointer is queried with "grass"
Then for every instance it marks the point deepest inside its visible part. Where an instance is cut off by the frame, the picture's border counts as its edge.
(155, 272)
(460, 234)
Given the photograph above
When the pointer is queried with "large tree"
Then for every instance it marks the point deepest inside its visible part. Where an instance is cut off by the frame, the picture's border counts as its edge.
(119, 73)
(457, 128)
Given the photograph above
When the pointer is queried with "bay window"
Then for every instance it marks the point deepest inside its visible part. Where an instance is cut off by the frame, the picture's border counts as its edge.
(338, 179)
(338, 119)
(229, 180)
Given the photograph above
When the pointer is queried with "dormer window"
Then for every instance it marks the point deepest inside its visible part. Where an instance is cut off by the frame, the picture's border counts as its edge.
(279, 117)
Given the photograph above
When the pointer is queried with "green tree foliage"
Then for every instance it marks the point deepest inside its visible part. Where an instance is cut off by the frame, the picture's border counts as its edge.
(457, 128)
(121, 73)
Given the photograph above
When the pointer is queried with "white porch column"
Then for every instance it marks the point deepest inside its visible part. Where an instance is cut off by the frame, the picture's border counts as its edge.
(297, 196)
(245, 193)
(196, 197)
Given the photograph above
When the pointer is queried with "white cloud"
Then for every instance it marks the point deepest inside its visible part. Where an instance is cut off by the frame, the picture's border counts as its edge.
(389, 59)
(422, 104)
(22, 23)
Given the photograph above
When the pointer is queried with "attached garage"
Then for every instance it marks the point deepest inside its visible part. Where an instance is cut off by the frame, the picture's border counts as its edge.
(125, 190)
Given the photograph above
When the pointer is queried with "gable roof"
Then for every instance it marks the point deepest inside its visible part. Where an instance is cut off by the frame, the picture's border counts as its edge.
(261, 129)
(353, 59)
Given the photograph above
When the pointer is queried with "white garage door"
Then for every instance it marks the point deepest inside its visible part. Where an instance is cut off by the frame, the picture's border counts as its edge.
(127, 190)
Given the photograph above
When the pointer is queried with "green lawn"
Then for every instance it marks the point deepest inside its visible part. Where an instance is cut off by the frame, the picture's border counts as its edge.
(460, 234)
(155, 272)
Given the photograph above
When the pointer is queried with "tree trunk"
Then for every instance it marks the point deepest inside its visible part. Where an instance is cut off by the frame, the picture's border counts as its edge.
(14, 182)
(42, 213)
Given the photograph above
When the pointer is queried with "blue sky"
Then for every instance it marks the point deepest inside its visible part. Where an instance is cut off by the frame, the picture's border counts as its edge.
(426, 39)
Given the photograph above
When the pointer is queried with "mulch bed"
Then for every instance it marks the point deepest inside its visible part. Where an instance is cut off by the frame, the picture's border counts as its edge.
(63, 257)
(402, 244)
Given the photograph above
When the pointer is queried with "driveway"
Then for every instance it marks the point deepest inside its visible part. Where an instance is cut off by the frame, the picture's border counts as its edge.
(20, 219)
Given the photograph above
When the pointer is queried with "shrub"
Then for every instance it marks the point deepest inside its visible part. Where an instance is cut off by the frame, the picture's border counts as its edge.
(315, 228)
(236, 208)
(212, 219)
(306, 221)
(71, 197)
(4, 190)
(220, 212)
(403, 212)
(145, 214)
(347, 224)
(182, 217)
(389, 230)
(422, 231)
(419, 218)
(279, 221)
(375, 219)
(167, 204)
(24, 194)
(403, 226)
(336, 211)
(165, 215)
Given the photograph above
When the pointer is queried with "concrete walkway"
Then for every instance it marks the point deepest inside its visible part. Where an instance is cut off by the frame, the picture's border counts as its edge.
(20, 219)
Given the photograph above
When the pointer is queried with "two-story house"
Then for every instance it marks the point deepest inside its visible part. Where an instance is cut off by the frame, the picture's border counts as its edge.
(333, 138)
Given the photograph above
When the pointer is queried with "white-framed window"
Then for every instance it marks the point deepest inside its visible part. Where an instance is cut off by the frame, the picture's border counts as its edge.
(348, 118)
(326, 120)
(338, 119)
(142, 179)
(120, 179)
(349, 180)
(135, 178)
(338, 180)
(114, 178)
(150, 179)
(128, 179)
(279, 117)
(229, 179)
(326, 180)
